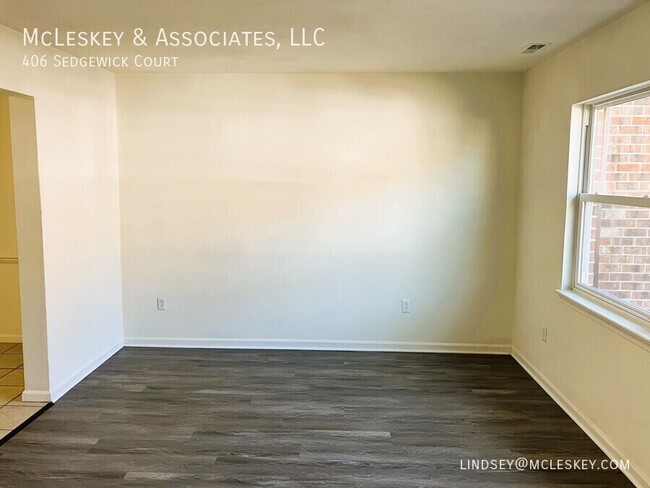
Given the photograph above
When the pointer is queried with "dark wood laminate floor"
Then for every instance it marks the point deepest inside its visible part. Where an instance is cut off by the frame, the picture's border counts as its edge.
(173, 417)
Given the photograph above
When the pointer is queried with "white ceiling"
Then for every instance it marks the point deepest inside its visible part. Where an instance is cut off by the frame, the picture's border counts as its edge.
(360, 35)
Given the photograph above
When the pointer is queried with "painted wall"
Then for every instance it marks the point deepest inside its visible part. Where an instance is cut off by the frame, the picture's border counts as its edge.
(9, 293)
(77, 167)
(297, 210)
(602, 373)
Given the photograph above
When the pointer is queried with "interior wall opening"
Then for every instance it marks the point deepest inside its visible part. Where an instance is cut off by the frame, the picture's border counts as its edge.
(23, 335)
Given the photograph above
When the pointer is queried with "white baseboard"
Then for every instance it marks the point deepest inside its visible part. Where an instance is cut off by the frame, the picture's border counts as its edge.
(11, 338)
(635, 474)
(316, 345)
(36, 396)
(65, 386)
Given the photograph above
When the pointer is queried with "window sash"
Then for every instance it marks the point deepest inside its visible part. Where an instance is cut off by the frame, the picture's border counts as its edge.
(582, 250)
(615, 200)
(581, 245)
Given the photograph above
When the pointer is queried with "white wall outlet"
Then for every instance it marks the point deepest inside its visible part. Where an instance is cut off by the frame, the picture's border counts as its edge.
(406, 305)
(544, 334)
(161, 303)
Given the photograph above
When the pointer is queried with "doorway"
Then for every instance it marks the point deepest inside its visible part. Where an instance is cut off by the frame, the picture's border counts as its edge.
(23, 353)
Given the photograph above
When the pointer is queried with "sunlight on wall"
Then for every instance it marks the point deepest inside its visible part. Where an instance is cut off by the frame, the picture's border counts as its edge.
(307, 206)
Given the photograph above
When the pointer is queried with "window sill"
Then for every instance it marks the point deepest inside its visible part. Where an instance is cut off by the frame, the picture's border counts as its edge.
(628, 328)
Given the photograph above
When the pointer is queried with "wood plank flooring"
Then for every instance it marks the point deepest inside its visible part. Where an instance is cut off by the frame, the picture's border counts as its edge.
(190, 417)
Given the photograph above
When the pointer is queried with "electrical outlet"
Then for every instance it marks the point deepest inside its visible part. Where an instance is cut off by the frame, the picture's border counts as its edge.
(406, 305)
(544, 334)
(161, 303)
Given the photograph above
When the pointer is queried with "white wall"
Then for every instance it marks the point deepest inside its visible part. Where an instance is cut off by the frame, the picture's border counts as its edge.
(601, 374)
(297, 210)
(77, 166)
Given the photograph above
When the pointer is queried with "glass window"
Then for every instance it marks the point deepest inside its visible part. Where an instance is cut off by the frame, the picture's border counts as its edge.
(614, 246)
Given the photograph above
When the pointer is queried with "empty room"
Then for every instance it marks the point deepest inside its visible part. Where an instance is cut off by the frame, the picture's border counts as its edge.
(325, 243)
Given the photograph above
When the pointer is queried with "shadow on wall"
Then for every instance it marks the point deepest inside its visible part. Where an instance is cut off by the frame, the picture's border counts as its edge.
(307, 206)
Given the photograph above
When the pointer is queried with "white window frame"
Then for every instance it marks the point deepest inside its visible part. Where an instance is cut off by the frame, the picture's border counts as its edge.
(580, 247)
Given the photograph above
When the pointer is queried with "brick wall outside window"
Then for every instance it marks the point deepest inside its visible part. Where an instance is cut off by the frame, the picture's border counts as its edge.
(619, 257)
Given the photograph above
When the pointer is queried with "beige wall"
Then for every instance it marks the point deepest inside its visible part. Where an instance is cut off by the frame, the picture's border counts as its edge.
(297, 210)
(603, 374)
(78, 175)
(9, 293)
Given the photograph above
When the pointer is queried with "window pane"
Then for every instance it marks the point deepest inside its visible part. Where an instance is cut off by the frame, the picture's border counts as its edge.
(620, 159)
(616, 253)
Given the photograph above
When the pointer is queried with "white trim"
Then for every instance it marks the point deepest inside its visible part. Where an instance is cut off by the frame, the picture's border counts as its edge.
(11, 338)
(623, 95)
(613, 303)
(628, 329)
(574, 288)
(36, 396)
(620, 200)
(635, 474)
(318, 345)
(72, 380)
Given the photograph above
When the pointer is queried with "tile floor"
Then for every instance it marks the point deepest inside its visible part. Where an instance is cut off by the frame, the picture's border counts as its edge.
(13, 411)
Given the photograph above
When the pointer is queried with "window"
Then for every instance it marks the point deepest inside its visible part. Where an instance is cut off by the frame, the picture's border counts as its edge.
(613, 252)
